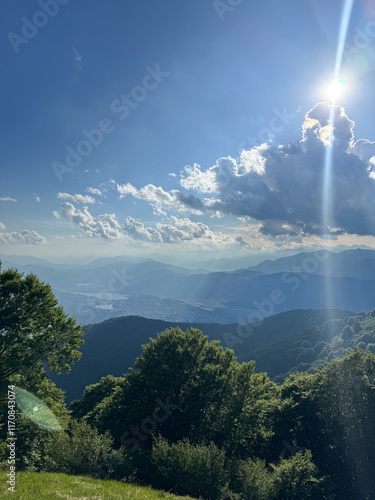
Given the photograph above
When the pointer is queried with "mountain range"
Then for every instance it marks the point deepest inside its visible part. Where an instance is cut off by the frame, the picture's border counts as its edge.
(115, 287)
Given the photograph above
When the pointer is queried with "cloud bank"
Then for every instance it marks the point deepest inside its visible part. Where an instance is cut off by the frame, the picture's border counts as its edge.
(276, 190)
(108, 227)
(281, 187)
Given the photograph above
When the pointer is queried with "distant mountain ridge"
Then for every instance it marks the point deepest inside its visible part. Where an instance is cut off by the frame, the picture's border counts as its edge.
(359, 264)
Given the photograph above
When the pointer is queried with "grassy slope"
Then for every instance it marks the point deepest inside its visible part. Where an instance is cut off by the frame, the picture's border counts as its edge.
(35, 486)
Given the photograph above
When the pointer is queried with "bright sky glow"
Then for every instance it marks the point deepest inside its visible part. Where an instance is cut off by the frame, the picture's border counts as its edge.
(335, 90)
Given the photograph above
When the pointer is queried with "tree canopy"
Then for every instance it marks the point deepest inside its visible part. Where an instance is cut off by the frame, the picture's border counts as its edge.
(34, 329)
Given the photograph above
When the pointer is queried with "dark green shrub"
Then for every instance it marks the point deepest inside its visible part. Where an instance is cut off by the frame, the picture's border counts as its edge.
(188, 469)
(80, 451)
(254, 481)
(296, 478)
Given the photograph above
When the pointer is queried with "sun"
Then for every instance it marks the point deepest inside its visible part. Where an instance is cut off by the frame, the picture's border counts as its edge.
(336, 89)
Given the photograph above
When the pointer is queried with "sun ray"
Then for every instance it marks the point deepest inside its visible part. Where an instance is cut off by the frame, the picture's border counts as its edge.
(337, 86)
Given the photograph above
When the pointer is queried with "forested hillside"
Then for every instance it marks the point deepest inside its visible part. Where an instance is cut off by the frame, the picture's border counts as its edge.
(313, 347)
(193, 419)
(111, 347)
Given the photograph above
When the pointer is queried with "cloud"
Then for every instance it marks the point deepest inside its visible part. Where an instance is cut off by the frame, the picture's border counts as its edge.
(172, 174)
(161, 200)
(24, 237)
(77, 198)
(36, 198)
(276, 189)
(2, 226)
(186, 230)
(281, 186)
(194, 178)
(8, 199)
(136, 230)
(95, 191)
(107, 226)
(245, 244)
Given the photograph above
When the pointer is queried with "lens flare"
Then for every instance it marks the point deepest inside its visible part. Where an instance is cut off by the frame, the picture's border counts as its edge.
(37, 411)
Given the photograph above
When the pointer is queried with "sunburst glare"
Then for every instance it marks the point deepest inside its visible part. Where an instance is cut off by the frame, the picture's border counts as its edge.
(336, 90)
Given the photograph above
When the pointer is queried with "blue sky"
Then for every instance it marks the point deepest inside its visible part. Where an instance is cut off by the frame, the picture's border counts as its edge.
(220, 78)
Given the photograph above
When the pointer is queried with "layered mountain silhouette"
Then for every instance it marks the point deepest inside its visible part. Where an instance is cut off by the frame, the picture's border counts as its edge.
(114, 287)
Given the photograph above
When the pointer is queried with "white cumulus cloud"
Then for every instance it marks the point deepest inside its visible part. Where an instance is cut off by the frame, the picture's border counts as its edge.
(77, 198)
(26, 236)
(160, 199)
(95, 191)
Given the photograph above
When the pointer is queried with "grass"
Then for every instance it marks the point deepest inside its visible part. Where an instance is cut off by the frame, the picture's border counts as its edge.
(43, 486)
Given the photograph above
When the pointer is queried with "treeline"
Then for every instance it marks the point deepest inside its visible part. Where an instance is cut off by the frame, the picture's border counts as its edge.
(189, 418)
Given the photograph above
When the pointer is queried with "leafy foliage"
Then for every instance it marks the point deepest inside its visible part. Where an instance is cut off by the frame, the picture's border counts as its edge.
(189, 469)
(80, 451)
(33, 328)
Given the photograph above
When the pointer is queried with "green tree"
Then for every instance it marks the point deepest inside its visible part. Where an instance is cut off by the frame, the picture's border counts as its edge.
(186, 387)
(93, 395)
(332, 413)
(30, 437)
(34, 332)
(34, 329)
(251, 480)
